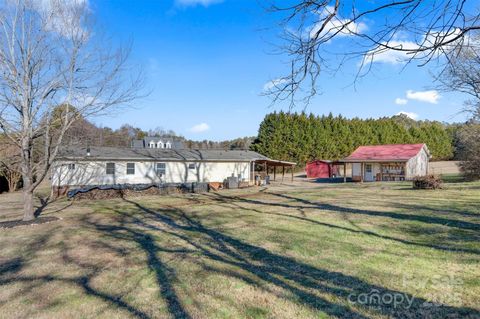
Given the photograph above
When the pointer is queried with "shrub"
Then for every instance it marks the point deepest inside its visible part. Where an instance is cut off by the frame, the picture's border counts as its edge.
(427, 182)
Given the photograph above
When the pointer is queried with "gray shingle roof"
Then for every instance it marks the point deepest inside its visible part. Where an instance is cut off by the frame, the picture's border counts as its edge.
(146, 154)
(138, 144)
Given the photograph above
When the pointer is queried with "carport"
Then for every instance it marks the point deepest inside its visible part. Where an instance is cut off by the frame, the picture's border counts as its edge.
(263, 167)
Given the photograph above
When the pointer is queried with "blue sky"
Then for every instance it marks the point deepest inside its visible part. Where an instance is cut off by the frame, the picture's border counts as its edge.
(207, 63)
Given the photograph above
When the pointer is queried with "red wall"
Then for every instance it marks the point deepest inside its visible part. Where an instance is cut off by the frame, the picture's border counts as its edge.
(320, 169)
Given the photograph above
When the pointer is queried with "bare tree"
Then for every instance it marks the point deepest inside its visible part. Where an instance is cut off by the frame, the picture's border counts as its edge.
(462, 74)
(407, 30)
(50, 57)
(10, 163)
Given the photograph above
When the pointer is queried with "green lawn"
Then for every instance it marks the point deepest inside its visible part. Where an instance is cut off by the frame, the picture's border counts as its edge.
(375, 250)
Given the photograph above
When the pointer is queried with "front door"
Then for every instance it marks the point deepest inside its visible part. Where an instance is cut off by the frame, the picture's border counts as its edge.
(368, 173)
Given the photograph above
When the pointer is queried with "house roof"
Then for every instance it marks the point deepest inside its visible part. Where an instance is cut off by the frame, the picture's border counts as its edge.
(158, 154)
(392, 152)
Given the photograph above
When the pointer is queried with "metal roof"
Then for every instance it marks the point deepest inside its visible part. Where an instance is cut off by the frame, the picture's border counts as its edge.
(382, 153)
(158, 154)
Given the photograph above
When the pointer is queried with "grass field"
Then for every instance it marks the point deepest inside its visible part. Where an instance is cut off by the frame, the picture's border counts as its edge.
(303, 250)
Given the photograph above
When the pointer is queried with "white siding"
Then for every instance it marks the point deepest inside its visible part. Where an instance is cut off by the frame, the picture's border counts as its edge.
(418, 165)
(94, 173)
(356, 169)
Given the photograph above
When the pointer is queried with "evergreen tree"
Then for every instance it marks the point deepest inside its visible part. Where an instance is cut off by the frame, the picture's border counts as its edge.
(304, 137)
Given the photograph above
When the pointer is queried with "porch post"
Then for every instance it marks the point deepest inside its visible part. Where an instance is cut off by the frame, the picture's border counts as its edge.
(344, 172)
(275, 173)
(291, 168)
(362, 172)
(252, 172)
(283, 172)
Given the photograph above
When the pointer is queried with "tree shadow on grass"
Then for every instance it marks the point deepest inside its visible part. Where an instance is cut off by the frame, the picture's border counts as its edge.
(473, 211)
(410, 217)
(218, 252)
(307, 204)
(232, 202)
(125, 230)
(45, 202)
(11, 272)
(305, 284)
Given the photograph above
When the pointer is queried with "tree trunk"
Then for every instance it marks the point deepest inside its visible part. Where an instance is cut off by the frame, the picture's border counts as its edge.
(28, 212)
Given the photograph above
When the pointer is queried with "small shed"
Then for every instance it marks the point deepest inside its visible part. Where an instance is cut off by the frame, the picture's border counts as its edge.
(321, 169)
(393, 162)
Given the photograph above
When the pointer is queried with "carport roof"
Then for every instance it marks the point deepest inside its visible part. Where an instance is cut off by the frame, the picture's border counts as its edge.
(271, 162)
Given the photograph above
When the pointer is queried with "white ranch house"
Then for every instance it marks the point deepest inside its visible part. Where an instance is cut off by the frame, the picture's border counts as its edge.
(107, 165)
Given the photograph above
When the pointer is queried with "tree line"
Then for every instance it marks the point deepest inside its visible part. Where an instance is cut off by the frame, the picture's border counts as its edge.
(301, 137)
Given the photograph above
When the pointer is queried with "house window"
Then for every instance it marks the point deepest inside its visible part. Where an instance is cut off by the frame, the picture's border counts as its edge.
(110, 168)
(71, 167)
(160, 169)
(160, 144)
(151, 145)
(168, 145)
(368, 168)
(191, 166)
(130, 168)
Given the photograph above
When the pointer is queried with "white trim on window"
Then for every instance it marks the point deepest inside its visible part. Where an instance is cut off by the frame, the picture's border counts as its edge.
(110, 168)
(160, 169)
(130, 168)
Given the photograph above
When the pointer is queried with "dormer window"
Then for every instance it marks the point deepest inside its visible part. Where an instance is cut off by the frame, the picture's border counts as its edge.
(151, 144)
(168, 145)
(160, 144)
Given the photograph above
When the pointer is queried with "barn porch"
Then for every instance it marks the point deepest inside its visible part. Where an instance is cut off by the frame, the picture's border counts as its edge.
(370, 171)
(262, 171)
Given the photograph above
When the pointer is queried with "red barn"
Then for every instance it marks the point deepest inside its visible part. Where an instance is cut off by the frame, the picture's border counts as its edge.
(321, 169)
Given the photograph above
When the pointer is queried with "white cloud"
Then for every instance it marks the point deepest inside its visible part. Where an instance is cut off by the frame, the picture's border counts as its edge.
(273, 84)
(400, 101)
(431, 96)
(430, 40)
(199, 128)
(336, 24)
(411, 115)
(193, 3)
(384, 55)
